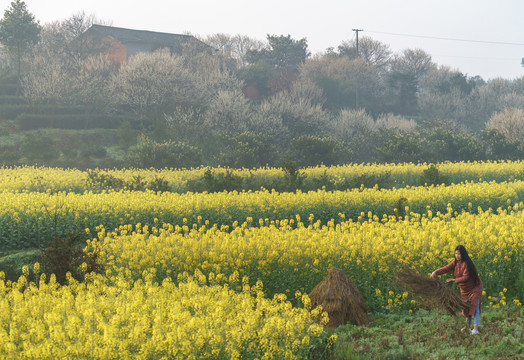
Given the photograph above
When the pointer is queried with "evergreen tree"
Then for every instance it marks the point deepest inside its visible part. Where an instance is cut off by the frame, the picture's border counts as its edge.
(19, 31)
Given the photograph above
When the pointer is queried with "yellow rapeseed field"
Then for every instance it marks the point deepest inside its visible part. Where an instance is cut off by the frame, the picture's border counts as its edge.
(291, 255)
(147, 320)
(223, 275)
(35, 178)
(32, 218)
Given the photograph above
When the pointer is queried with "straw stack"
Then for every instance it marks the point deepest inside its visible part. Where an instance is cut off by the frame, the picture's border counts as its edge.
(340, 298)
(436, 293)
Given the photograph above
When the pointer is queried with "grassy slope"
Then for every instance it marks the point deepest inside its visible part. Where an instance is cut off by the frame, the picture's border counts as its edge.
(11, 262)
(433, 335)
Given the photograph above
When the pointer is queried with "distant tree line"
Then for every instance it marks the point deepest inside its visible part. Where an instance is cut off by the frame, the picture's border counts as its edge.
(255, 103)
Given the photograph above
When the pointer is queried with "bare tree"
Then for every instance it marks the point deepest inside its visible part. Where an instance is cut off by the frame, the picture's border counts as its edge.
(373, 51)
(415, 62)
(212, 70)
(443, 94)
(219, 41)
(242, 44)
(51, 81)
(341, 78)
(72, 30)
(64, 69)
(485, 100)
(234, 46)
(78, 23)
(65, 38)
(58, 75)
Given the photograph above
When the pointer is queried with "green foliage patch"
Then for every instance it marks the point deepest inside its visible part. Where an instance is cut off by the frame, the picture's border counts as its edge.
(431, 335)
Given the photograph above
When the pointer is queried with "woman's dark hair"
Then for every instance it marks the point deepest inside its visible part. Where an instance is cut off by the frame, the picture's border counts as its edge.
(471, 267)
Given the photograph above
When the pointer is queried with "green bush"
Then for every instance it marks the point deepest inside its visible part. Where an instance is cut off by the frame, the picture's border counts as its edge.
(293, 177)
(449, 143)
(39, 146)
(432, 176)
(97, 151)
(159, 184)
(99, 181)
(248, 150)
(216, 183)
(126, 135)
(499, 147)
(402, 148)
(168, 154)
(9, 155)
(311, 150)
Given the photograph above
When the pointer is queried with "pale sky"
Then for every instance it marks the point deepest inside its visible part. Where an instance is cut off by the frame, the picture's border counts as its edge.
(493, 29)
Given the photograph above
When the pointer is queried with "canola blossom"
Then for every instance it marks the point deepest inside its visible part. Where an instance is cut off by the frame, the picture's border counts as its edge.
(289, 258)
(222, 275)
(147, 320)
(41, 179)
(33, 218)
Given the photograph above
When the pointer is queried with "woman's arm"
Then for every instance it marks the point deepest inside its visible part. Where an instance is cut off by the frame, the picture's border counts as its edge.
(443, 270)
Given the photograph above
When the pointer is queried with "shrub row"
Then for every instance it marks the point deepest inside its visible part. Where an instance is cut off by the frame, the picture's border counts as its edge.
(12, 100)
(70, 121)
(8, 89)
(11, 111)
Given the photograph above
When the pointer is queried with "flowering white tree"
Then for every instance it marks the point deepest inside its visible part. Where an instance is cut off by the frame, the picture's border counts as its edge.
(47, 82)
(395, 122)
(350, 123)
(509, 122)
(228, 112)
(155, 81)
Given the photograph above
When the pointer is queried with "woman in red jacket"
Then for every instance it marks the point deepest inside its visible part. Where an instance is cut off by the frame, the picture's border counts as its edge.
(469, 282)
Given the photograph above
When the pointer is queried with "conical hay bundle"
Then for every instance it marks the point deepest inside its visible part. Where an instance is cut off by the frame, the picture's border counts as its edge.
(437, 293)
(340, 298)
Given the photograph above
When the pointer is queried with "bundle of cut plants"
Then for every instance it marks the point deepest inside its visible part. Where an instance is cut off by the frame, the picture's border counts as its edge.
(340, 298)
(436, 293)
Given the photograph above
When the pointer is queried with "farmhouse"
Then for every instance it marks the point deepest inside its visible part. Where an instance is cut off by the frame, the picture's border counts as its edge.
(121, 43)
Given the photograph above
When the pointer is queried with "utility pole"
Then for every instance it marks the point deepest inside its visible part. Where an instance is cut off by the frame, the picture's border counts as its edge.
(358, 85)
(356, 31)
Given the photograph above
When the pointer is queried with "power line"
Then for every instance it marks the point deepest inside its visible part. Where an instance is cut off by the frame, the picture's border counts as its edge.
(448, 39)
(475, 57)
